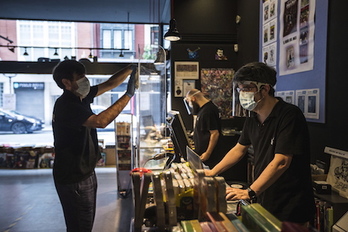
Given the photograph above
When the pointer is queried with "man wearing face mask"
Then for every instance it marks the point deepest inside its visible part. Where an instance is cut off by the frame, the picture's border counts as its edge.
(75, 138)
(207, 130)
(279, 135)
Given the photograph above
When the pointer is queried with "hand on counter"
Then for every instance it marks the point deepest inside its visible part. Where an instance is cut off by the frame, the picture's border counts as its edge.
(208, 172)
(236, 194)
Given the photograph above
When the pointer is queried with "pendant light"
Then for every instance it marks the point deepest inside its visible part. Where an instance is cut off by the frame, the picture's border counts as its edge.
(55, 52)
(121, 54)
(173, 33)
(90, 54)
(11, 48)
(25, 52)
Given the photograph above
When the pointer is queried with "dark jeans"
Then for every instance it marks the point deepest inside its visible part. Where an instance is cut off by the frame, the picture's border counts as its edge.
(79, 203)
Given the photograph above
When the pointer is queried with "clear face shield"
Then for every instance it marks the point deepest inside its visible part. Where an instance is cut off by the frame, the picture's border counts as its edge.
(189, 105)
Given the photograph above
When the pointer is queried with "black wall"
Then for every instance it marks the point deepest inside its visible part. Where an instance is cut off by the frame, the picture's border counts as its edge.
(248, 31)
(333, 132)
(211, 24)
(205, 18)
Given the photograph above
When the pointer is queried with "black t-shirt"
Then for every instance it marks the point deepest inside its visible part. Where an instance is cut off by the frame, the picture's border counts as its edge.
(285, 131)
(76, 146)
(208, 118)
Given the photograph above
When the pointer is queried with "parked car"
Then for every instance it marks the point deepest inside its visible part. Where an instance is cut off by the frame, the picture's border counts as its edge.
(19, 123)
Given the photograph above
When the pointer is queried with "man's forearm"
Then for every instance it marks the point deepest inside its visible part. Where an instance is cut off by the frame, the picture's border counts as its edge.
(122, 74)
(115, 109)
(115, 80)
(107, 116)
(230, 159)
(271, 173)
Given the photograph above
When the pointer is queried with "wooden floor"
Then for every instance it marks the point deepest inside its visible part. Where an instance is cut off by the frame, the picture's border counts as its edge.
(29, 202)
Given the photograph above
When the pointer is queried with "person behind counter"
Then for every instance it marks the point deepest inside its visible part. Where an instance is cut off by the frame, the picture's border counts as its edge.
(279, 135)
(207, 130)
(75, 138)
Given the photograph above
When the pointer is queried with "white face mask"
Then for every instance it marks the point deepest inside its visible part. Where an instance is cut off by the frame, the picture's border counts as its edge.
(247, 100)
(84, 87)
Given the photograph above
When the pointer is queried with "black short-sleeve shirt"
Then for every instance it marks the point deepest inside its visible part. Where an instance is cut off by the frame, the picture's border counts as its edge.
(285, 131)
(76, 146)
(208, 118)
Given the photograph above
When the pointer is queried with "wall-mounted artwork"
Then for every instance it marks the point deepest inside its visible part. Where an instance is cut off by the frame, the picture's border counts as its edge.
(297, 28)
(219, 55)
(216, 83)
(186, 70)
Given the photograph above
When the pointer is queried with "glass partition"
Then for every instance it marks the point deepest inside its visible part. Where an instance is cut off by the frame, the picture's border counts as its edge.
(151, 108)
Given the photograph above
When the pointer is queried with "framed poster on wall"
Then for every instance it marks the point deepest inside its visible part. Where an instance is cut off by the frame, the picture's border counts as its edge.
(295, 54)
(186, 70)
(185, 73)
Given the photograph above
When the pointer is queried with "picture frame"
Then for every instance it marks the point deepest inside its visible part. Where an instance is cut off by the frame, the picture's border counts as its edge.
(188, 70)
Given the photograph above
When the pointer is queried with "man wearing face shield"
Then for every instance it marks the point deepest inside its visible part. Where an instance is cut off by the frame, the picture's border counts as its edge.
(207, 129)
(75, 138)
(279, 135)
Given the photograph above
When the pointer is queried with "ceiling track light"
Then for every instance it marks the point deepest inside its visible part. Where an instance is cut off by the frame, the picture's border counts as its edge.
(121, 54)
(55, 52)
(11, 48)
(90, 54)
(25, 52)
(173, 33)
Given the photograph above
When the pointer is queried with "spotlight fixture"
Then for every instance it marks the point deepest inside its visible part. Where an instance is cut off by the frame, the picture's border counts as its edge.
(25, 52)
(173, 33)
(90, 54)
(11, 48)
(121, 54)
(55, 52)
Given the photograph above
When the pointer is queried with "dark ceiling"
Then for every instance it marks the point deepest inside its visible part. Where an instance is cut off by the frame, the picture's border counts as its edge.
(117, 11)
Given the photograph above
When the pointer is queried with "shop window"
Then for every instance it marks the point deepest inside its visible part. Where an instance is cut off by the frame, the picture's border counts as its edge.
(39, 39)
(117, 36)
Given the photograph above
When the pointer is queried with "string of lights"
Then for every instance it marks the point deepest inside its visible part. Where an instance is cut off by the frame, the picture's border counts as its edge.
(12, 48)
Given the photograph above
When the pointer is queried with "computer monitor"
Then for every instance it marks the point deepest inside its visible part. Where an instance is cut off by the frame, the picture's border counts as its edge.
(178, 134)
(194, 159)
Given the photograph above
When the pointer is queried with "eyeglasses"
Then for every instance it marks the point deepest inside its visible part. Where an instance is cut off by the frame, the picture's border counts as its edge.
(246, 89)
(250, 86)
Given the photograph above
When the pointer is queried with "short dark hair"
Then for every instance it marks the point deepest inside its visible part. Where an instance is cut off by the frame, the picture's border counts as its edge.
(66, 70)
(257, 72)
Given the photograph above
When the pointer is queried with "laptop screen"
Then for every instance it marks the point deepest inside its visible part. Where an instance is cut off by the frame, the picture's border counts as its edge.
(193, 159)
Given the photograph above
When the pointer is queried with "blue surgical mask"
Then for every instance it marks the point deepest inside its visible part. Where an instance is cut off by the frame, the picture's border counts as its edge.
(84, 87)
(247, 100)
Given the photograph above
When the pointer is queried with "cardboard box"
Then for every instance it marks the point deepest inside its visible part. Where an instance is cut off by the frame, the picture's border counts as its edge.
(110, 155)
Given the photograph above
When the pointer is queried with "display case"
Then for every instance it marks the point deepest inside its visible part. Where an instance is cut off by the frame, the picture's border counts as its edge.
(151, 108)
(141, 133)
